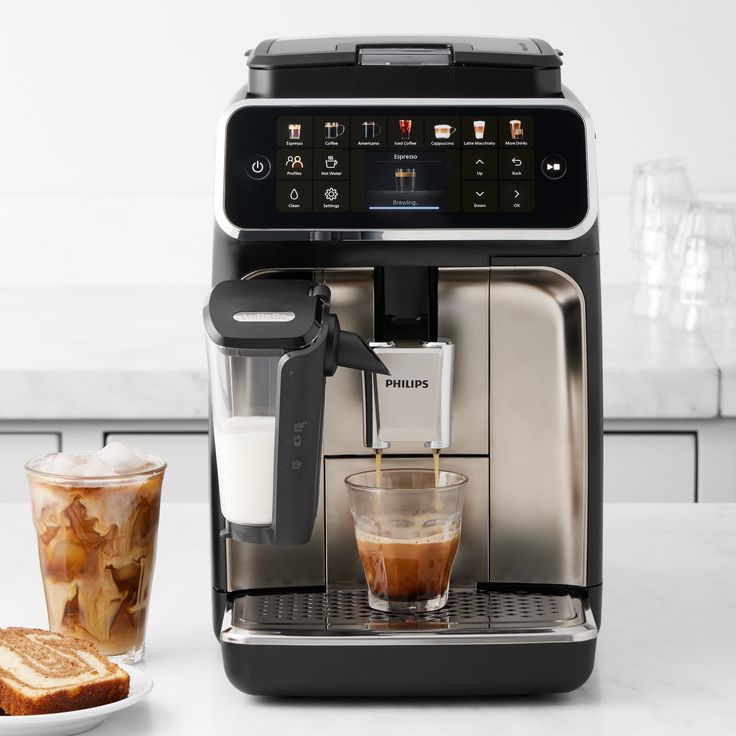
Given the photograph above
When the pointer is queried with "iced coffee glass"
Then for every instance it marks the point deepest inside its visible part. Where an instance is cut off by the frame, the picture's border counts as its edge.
(97, 548)
(407, 529)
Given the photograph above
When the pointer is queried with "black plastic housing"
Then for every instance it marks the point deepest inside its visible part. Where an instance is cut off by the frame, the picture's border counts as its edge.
(331, 67)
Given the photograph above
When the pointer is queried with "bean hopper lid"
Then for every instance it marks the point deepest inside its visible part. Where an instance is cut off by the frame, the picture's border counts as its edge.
(403, 50)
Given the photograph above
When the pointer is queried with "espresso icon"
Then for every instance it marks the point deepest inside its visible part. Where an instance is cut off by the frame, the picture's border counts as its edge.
(295, 132)
(406, 180)
(443, 131)
(515, 130)
(333, 131)
(370, 129)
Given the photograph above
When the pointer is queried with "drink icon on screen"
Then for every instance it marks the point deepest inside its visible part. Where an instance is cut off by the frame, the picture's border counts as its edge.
(516, 131)
(330, 162)
(443, 131)
(333, 130)
(370, 129)
(479, 128)
(405, 128)
(295, 131)
(406, 180)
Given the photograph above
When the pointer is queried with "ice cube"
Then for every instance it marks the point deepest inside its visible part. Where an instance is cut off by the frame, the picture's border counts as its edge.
(60, 463)
(121, 458)
(142, 455)
(95, 468)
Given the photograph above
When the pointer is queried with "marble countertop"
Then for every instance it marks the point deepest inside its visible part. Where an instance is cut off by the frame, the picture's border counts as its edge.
(138, 353)
(664, 665)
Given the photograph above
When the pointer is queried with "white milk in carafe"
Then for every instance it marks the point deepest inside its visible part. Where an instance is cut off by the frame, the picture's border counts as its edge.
(245, 450)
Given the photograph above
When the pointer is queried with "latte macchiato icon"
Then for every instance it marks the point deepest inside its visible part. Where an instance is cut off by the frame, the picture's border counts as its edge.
(479, 128)
(516, 131)
(443, 131)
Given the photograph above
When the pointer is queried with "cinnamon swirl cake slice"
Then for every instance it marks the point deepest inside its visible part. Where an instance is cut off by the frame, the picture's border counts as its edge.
(41, 672)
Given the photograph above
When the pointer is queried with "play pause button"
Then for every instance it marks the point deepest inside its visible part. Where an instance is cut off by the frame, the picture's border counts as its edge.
(554, 166)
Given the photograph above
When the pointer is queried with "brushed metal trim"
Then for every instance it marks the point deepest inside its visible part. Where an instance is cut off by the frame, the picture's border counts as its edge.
(585, 631)
(567, 563)
(570, 101)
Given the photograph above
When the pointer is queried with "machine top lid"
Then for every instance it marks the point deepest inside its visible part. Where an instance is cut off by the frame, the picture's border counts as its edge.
(486, 51)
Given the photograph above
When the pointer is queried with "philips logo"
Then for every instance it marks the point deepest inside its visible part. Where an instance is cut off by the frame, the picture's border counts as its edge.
(264, 316)
(407, 383)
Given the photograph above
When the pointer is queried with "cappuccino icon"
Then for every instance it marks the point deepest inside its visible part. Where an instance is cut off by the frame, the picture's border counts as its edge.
(443, 131)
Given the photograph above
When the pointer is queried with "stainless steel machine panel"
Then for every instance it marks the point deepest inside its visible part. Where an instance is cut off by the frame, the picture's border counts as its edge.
(538, 425)
(462, 318)
(343, 563)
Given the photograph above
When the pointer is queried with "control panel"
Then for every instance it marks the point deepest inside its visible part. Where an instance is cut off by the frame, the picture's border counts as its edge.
(386, 167)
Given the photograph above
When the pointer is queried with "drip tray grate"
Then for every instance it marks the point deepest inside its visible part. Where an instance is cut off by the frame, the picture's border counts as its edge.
(467, 609)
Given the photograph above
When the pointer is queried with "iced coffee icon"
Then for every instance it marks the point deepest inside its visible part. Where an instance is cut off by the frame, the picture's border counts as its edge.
(407, 530)
(515, 130)
(405, 179)
(96, 518)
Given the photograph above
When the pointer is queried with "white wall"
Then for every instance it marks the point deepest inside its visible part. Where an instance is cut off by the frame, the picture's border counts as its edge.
(109, 109)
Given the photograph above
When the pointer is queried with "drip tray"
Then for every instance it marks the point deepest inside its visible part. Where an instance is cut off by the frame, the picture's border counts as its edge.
(343, 617)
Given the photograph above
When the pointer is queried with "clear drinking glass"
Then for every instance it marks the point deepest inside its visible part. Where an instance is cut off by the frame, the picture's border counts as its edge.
(705, 257)
(407, 529)
(97, 548)
(661, 196)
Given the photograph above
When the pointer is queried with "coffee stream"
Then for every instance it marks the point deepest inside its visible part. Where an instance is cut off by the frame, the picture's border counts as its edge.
(435, 457)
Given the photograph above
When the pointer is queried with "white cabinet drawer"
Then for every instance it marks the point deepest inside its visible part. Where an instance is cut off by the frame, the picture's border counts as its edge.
(187, 474)
(15, 450)
(649, 467)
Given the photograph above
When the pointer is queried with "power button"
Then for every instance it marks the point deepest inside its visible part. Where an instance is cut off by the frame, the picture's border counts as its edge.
(258, 167)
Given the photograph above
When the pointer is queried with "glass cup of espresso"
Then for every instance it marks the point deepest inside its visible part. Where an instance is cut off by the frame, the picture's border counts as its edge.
(405, 179)
(407, 529)
(97, 548)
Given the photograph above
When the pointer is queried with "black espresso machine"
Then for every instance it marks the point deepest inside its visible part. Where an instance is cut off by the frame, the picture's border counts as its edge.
(424, 207)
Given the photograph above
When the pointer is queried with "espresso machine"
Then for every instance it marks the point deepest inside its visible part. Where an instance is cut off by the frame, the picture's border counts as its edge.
(405, 261)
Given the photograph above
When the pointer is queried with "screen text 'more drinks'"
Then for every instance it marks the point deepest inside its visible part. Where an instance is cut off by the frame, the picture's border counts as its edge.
(96, 517)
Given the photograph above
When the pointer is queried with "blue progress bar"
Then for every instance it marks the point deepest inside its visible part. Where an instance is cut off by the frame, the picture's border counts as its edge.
(403, 207)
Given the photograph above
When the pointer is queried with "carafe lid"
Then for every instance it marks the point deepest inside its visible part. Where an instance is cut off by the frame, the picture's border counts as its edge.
(272, 315)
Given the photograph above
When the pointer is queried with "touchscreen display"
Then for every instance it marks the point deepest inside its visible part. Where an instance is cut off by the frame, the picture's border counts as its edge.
(381, 167)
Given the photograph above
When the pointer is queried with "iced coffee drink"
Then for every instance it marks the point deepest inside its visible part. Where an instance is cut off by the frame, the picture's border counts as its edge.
(96, 517)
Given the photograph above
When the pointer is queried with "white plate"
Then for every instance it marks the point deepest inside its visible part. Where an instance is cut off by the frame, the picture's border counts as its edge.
(76, 721)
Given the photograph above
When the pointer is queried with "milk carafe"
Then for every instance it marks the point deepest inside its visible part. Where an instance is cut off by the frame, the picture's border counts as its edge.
(271, 345)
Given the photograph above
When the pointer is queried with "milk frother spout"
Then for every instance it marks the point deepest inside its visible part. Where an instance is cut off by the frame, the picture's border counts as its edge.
(271, 345)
